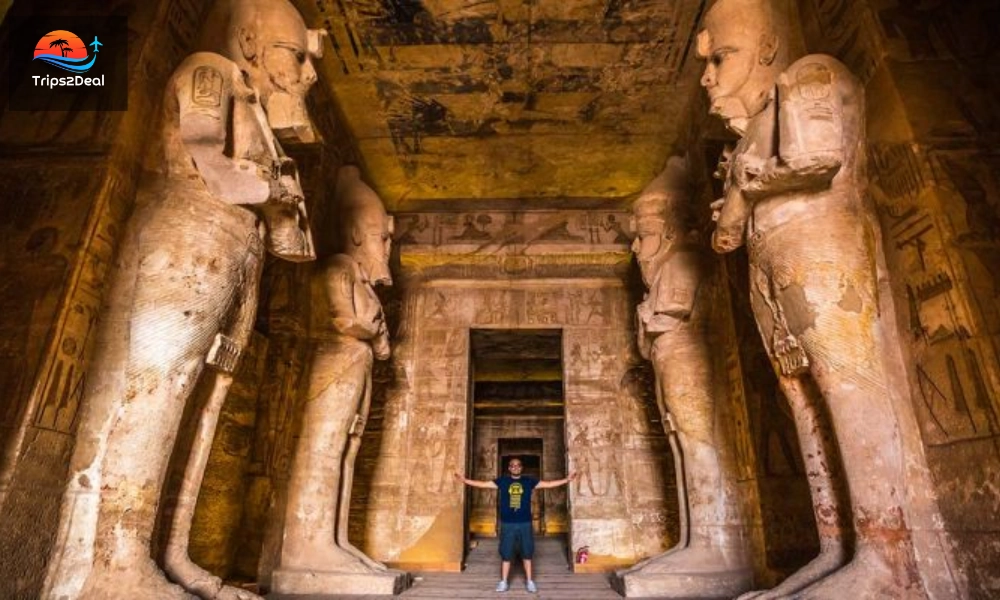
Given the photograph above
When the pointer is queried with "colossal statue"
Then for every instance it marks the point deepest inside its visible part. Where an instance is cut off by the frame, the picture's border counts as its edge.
(347, 330)
(216, 192)
(711, 560)
(794, 194)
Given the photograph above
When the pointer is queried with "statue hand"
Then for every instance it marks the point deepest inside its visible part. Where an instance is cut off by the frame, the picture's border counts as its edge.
(233, 593)
(747, 168)
(717, 209)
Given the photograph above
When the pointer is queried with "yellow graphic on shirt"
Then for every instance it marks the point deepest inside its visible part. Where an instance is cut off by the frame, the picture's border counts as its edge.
(515, 491)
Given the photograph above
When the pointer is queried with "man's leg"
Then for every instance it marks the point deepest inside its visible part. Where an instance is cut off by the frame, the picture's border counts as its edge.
(527, 553)
(506, 552)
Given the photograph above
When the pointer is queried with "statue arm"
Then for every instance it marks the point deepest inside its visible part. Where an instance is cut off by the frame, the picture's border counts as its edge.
(346, 319)
(810, 132)
(642, 315)
(205, 85)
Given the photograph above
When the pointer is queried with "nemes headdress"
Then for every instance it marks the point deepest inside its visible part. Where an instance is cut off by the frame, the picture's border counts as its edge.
(357, 204)
(665, 195)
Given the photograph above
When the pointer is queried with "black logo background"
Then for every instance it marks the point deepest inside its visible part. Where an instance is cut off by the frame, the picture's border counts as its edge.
(112, 63)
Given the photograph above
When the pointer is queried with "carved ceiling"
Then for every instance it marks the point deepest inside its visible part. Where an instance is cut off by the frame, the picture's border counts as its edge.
(558, 103)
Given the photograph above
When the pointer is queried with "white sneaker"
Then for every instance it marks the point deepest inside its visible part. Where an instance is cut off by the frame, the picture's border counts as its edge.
(503, 586)
(531, 587)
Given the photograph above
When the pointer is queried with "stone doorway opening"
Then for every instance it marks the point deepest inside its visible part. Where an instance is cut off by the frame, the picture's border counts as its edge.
(518, 409)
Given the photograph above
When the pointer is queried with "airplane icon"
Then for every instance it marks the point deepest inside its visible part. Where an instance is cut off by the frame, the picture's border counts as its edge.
(96, 44)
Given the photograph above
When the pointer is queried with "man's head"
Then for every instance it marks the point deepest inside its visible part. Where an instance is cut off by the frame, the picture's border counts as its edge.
(742, 41)
(514, 467)
(657, 218)
(269, 41)
(364, 227)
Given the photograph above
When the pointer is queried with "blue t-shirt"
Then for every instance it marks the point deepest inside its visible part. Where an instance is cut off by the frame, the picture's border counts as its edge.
(515, 498)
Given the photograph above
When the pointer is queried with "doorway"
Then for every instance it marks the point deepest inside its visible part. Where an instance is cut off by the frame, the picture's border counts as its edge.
(518, 409)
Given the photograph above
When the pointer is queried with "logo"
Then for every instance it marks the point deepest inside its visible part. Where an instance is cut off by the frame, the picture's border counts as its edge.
(65, 50)
(67, 72)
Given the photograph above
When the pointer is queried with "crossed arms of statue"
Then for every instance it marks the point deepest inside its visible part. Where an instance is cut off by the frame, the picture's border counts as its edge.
(807, 117)
(543, 484)
(227, 135)
(355, 308)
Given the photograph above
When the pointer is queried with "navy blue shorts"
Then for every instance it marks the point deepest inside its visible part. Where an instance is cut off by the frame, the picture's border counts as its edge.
(516, 535)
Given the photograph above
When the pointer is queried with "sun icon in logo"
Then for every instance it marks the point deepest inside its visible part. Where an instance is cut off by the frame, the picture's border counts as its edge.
(64, 49)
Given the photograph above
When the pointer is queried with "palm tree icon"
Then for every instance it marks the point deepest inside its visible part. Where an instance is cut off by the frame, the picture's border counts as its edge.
(62, 46)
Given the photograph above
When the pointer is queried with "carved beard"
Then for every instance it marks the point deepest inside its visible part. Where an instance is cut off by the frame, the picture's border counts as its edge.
(289, 117)
(649, 268)
(377, 270)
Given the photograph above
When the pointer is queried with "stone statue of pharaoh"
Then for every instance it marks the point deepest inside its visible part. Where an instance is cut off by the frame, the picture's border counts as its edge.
(347, 331)
(182, 295)
(711, 560)
(795, 195)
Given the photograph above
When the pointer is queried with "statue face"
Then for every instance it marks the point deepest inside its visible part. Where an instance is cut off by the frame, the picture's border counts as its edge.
(278, 52)
(730, 65)
(373, 247)
(741, 49)
(650, 245)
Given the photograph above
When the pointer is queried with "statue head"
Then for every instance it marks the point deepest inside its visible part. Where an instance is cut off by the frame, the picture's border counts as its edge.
(269, 42)
(742, 40)
(658, 218)
(365, 230)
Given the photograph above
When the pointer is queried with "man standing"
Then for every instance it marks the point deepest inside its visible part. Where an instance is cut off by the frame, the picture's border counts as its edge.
(515, 516)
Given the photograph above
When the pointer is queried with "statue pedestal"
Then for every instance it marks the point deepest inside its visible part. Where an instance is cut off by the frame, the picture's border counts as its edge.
(708, 585)
(307, 582)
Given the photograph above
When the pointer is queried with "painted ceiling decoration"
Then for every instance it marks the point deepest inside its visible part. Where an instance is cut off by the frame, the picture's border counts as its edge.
(550, 103)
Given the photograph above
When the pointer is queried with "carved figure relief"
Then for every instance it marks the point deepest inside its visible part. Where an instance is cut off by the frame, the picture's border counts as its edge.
(798, 169)
(954, 399)
(348, 331)
(183, 298)
(711, 558)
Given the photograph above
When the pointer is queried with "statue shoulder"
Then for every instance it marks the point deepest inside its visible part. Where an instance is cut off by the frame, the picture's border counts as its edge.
(816, 74)
(338, 265)
(208, 78)
(211, 60)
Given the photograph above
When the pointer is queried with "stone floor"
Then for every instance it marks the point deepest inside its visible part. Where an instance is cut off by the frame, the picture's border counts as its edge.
(478, 580)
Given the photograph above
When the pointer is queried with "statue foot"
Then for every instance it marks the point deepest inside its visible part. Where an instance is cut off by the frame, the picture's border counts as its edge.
(639, 565)
(229, 592)
(331, 559)
(319, 570)
(868, 575)
(364, 558)
(199, 582)
(691, 572)
(138, 578)
(827, 562)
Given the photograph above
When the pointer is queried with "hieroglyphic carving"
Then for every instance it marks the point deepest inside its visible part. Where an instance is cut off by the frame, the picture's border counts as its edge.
(542, 308)
(953, 379)
(587, 307)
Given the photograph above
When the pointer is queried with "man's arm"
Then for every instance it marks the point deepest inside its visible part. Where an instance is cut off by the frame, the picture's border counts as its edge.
(476, 482)
(551, 483)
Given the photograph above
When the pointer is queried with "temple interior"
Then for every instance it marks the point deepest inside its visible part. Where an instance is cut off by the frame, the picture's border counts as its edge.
(509, 141)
